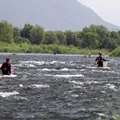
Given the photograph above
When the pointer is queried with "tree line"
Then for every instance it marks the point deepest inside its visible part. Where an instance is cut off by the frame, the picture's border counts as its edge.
(92, 37)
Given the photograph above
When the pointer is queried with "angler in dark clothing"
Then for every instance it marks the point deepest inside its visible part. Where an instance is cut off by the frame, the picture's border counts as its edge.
(6, 67)
(100, 60)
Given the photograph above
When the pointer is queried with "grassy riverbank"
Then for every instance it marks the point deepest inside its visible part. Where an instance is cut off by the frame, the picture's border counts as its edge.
(116, 52)
(23, 48)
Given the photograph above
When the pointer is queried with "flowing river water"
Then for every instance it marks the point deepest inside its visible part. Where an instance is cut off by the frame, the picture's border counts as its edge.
(59, 87)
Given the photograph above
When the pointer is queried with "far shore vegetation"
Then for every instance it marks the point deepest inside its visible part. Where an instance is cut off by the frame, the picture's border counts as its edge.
(52, 49)
(34, 39)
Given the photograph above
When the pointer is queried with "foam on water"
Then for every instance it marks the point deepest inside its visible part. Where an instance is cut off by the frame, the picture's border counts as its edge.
(64, 69)
(82, 69)
(21, 85)
(46, 69)
(54, 62)
(8, 76)
(92, 82)
(20, 98)
(68, 76)
(31, 65)
(77, 86)
(77, 82)
(103, 92)
(27, 63)
(41, 62)
(104, 71)
(35, 86)
(74, 95)
(91, 67)
(111, 86)
(40, 86)
(8, 94)
(86, 82)
(101, 115)
(65, 76)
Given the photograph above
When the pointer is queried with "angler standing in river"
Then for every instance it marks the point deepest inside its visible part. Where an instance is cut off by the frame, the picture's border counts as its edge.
(6, 67)
(100, 60)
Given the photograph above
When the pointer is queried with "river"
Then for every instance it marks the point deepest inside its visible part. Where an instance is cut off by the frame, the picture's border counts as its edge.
(59, 87)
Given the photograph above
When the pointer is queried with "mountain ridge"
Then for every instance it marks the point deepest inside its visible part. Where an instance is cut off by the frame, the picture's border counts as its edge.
(51, 14)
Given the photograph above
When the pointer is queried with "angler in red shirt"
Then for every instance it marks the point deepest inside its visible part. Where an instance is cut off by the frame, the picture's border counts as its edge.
(6, 67)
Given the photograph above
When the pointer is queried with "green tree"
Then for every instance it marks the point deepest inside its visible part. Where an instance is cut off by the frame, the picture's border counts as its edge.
(6, 32)
(50, 38)
(103, 33)
(71, 38)
(115, 35)
(25, 32)
(20, 39)
(80, 36)
(16, 34)
(37, 34)
(110, 43)
(76, 39)
(61, 37)
(90, 40)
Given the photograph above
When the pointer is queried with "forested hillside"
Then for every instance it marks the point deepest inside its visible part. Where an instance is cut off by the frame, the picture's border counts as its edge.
(93, 37)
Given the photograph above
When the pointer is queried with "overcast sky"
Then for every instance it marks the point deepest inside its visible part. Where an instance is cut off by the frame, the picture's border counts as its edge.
(109, 10)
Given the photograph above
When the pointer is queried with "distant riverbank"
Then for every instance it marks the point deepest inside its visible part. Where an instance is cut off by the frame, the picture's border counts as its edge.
(53, 49)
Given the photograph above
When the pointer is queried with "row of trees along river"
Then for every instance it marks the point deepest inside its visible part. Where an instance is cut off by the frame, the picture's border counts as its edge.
(93, 37)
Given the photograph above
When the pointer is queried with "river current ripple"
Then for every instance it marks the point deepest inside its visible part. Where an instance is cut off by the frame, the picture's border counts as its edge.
(59, 87)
